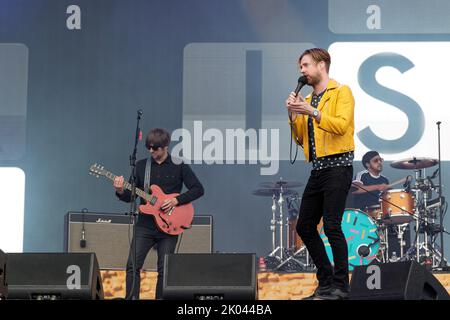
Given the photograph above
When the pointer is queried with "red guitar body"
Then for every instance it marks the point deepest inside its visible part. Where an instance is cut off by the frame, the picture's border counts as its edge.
(173, 222)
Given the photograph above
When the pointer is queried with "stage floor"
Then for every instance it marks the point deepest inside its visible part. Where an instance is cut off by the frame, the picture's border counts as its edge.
(271, 285)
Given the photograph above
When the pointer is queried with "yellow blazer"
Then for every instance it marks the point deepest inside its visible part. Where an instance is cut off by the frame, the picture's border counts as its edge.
(334, 133)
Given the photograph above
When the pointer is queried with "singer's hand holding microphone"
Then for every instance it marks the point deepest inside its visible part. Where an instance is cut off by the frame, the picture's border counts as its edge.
(296, 104)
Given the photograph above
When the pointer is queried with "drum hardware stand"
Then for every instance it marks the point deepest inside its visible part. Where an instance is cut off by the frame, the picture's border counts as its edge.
(273, 224)
(280, 222)
(431, 256)
(422, 191)
(400, 231)
(443, 263)
(281, 256)
(384, 243)
(293, 258)
(386, 248)
(279, 191)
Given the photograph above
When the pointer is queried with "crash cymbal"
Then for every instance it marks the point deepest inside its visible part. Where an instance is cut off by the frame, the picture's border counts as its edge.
(281, 183)
(273, 191)
(414, 163)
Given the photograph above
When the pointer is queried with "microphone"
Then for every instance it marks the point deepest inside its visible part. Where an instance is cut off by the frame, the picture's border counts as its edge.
(302, 81)
(83, 235)
(407, 184)
(434, 174)
(83, 239)
(406, 181)
(139, 114)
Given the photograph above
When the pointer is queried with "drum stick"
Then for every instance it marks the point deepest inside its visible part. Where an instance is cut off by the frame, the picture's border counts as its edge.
(402, 180)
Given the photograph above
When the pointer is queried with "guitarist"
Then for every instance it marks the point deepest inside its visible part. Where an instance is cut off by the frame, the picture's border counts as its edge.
(170, 177)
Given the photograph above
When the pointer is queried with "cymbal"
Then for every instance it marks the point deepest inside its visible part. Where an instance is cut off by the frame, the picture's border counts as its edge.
(414, 163)
(273, 191)
(281, 183)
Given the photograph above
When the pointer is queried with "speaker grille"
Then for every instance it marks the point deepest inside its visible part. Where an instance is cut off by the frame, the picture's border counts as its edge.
(406, 280)
(210, 270)
(227, 276)
(41, 274)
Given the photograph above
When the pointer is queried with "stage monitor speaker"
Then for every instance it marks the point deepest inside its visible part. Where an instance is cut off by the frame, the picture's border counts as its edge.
(109, 236)
(219, 276)
(54, 276)
(3, 284)
(407, 280)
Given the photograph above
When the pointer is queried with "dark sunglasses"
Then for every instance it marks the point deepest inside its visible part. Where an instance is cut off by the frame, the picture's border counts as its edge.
(155, 147)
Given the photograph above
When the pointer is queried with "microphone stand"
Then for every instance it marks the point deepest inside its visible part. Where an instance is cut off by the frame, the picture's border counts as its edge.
(133, 211)
(442, 263)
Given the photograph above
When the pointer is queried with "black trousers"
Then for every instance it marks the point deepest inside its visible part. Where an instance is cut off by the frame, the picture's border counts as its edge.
(325, 196)
(145, 239)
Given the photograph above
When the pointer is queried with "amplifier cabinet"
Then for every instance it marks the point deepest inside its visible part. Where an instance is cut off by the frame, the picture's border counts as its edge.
(109, 236)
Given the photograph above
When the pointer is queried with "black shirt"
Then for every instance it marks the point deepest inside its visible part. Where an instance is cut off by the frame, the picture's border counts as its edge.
(368, 199)
(170, 178)
(334, 160)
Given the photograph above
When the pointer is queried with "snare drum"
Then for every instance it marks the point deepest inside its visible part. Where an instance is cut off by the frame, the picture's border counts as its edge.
(363, 240)
(400, 207)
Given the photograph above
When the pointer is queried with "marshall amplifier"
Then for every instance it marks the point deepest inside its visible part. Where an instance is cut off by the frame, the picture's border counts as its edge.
(109, 236)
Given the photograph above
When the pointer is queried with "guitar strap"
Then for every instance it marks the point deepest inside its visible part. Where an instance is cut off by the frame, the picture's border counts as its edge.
(148, 171)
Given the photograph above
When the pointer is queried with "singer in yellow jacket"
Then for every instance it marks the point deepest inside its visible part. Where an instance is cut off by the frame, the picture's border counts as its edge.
(334, 133)
(323, 124)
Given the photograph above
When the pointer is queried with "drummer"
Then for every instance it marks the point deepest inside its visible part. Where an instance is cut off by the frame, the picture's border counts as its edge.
(371, 180)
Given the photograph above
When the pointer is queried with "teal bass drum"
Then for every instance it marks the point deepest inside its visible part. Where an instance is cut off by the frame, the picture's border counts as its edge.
(363, 240)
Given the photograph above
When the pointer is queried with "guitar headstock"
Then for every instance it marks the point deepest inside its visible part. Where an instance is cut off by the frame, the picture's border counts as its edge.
(97, 170)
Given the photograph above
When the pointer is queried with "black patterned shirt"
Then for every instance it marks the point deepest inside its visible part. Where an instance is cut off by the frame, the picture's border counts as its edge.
(335, 160)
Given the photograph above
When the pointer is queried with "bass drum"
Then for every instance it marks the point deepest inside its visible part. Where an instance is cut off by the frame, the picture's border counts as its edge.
(362, 237)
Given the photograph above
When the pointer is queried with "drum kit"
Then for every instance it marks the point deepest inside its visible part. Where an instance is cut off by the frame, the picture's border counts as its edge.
(366, 231)
(415, 204)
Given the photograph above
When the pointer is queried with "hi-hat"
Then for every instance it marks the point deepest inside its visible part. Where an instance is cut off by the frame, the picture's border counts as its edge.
(281, 183)
(273, 191)
(414, 163)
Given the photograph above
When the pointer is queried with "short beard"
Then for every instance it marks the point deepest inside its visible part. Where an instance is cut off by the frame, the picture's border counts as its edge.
(314, 80)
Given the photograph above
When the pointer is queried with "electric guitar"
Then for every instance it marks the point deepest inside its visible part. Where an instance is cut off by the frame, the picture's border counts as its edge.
(174, 222)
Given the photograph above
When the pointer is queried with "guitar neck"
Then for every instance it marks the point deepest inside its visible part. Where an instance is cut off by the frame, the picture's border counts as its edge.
(128, 186)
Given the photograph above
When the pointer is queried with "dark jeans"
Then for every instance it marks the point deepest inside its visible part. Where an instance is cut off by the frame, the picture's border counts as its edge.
(145, 240)
(325, 196)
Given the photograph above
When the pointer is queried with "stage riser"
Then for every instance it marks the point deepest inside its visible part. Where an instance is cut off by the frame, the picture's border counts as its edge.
(271, 286)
